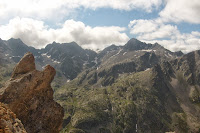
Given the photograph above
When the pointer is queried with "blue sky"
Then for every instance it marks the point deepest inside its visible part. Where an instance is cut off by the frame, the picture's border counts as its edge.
(109, 17)
(96, 24)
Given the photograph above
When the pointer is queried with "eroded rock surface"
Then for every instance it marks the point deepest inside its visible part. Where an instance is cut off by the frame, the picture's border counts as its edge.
(8, 121)
(30, 96)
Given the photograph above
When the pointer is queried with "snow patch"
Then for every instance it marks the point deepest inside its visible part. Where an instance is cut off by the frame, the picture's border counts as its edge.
(44, 54)
(57, 62)
(48, 56)
(169, 55)
(15, 57)
(95, 60)
(85, 63)
(116, 53)
(147, 69)
(148, 50)
(124, 53)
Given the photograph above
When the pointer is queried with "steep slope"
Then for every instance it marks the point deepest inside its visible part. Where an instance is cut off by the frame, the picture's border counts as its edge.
(132, 101)
(155, 100)
(18, 48)
(135, 44)
(29, 95)
(135, 56)
(165, 97)
(71, 59)
(14, 49)
(132, 51)
(68, 59)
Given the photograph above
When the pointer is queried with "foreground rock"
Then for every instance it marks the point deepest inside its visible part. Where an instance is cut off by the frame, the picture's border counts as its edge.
(29, 95)
(8, 121)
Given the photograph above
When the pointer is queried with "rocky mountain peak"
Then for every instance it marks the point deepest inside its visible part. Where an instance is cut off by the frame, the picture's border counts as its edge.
(135, 44)
(49, 73)
(26, 64)
(30, 96)
(15, 40)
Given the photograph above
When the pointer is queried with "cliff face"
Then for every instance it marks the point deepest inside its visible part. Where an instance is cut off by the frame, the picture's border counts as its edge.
(30, 96)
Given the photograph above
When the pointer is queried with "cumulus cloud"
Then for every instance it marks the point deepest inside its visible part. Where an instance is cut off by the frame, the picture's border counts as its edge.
(168, 35)
(36, 33)
(161, 29)
(152, 29)
(181, 10)
(47, 9)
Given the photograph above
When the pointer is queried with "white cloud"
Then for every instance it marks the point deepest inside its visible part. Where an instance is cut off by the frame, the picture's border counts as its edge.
(142, 26)
(51, 9)
(185, 45)
(36, 33)
(152, 29)
(168, 35)
(181, 10)
(159, 30)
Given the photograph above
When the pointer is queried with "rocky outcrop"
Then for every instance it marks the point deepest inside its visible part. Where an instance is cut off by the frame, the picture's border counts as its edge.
(30, 96)
(26, 65)
(8, 121)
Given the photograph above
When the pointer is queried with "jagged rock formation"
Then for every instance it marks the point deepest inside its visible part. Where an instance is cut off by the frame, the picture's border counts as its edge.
(73, 59)
(24, 66)
(29, 95)
(8, 121)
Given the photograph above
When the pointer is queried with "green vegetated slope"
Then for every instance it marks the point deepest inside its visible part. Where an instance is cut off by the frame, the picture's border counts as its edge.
(163, 98)
(5, 73)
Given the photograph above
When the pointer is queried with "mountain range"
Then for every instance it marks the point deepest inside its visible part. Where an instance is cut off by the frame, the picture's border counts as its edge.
(137, 87)
(70, 59)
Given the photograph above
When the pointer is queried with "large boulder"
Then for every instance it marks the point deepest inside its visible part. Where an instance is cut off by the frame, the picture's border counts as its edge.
(30, 96)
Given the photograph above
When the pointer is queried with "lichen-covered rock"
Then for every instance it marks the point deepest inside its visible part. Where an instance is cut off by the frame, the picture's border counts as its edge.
(30, 96)
(8, 121)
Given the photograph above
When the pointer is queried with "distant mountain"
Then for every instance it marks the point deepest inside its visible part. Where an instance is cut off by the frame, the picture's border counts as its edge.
(135, 44)
(134, 56)
(138, 86)
(72, 59)
(162, 98)
(69, 59)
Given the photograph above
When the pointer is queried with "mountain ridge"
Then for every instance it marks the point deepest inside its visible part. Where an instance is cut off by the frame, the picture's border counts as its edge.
(121, 86)
(67, 56)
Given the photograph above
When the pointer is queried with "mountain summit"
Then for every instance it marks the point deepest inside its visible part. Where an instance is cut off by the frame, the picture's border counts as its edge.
(135, 44)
